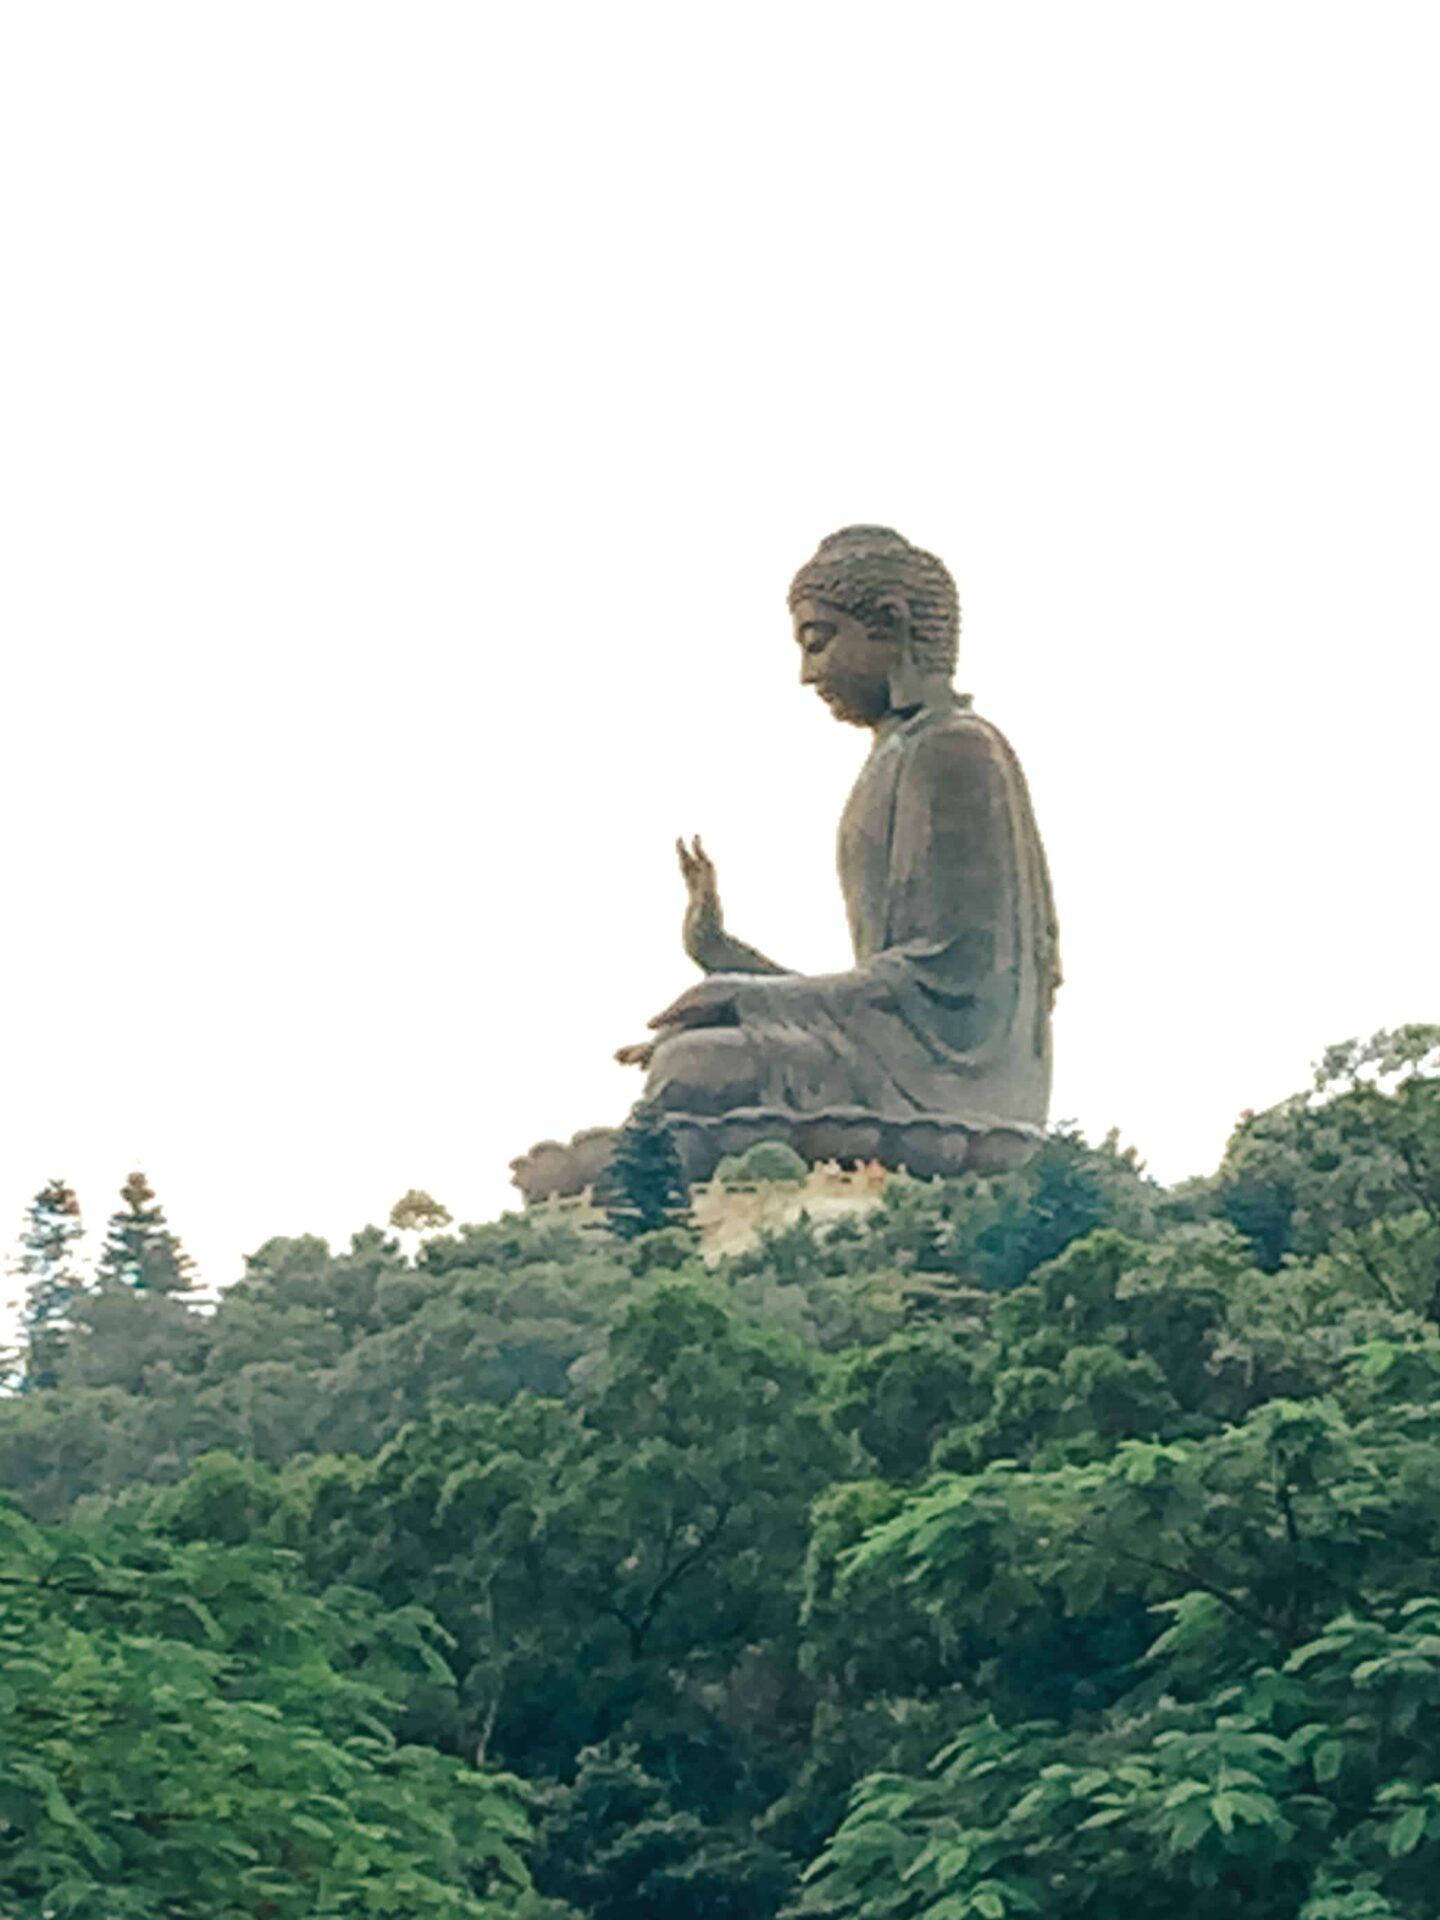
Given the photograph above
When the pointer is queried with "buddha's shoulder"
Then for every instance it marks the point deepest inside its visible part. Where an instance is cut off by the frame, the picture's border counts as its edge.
(946, 738)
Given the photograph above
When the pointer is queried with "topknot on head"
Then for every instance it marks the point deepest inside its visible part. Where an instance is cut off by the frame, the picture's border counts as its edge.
(856, 567)
(865, 539)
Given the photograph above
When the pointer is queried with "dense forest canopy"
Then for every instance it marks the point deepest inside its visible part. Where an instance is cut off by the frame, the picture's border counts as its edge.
(1052, 1543)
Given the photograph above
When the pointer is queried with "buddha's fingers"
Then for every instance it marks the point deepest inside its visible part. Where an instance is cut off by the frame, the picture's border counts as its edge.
(638, 1055)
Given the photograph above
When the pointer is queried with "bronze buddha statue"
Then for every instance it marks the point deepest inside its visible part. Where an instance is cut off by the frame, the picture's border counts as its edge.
(931, 1051)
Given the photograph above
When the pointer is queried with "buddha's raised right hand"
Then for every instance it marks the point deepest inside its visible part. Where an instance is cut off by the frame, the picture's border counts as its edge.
(706, 942)
(703, 932)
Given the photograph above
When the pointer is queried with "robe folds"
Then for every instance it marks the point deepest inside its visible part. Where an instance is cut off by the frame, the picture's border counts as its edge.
(944, 1019)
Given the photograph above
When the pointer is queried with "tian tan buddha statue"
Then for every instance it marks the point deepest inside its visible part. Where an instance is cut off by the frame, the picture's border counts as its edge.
(932, 1050)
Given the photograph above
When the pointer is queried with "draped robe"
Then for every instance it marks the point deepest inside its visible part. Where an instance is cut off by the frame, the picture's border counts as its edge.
(942, 1026)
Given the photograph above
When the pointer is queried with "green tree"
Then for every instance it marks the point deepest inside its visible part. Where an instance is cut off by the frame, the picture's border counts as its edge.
(644, 1187)
(625, 1568)
(1189, 1656)
(1352, 1166)
(188, 1732)
(900, 1396)
(53, 1282)
(140, 1251)
(613, 1843)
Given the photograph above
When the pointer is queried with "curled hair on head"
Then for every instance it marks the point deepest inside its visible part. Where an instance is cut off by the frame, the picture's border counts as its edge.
(857, 567)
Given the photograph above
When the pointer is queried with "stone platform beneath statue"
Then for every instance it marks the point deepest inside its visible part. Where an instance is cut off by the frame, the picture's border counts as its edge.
(729, 1219)
(922, 1145)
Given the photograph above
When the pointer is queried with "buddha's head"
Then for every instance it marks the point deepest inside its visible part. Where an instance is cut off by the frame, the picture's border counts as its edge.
(877, 622)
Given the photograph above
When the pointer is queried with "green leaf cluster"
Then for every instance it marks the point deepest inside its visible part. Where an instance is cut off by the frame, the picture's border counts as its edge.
(189, 1730)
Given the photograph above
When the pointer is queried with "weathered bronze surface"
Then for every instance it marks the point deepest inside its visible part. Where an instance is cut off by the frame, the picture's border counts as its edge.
(933, 1050)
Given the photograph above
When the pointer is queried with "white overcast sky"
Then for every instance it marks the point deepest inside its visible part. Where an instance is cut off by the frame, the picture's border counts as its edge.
(412, 416)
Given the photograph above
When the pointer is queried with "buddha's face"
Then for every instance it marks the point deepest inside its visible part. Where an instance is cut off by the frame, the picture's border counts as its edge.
(847, 663)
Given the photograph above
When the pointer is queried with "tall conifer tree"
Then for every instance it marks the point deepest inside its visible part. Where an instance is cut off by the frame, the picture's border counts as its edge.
(52, 1281)
(140, 1250)
(644, 1186)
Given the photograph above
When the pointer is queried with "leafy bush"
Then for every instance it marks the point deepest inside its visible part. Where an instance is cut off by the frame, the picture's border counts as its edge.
(767, 1162)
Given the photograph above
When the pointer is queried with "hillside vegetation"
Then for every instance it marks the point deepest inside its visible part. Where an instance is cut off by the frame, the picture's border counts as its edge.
(1051, 1544)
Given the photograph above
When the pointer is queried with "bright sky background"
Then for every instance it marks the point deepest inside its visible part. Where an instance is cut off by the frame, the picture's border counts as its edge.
(412, 416)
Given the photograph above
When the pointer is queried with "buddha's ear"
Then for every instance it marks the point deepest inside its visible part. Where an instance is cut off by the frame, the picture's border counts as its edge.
(906, 675)
(891, 617)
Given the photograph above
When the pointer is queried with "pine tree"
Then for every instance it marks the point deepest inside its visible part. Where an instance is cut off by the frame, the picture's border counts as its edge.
(52, 1281)
(140, 1250)
(644, 1187)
